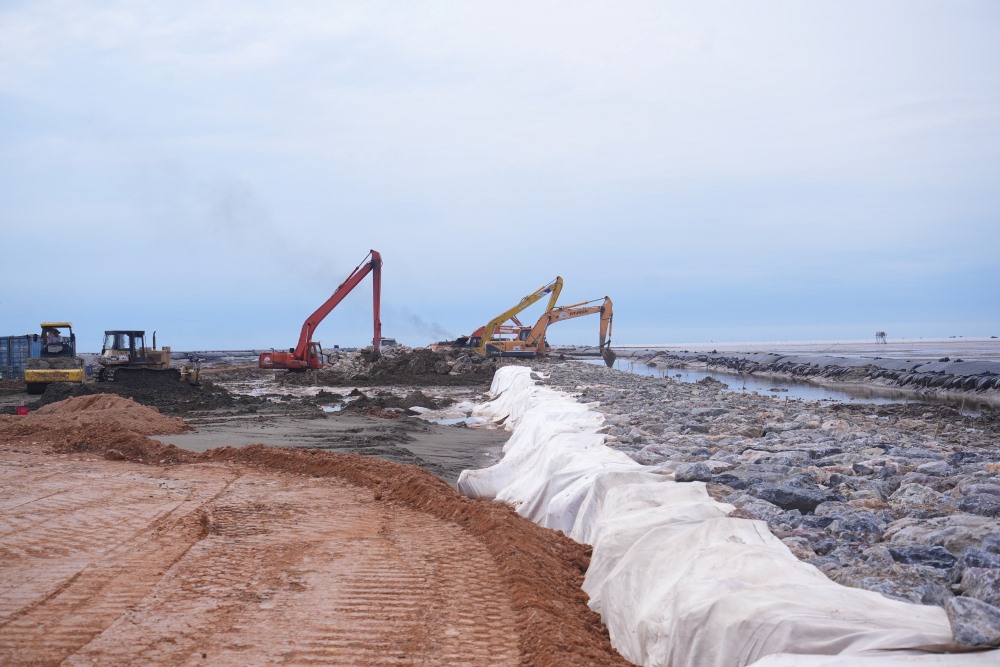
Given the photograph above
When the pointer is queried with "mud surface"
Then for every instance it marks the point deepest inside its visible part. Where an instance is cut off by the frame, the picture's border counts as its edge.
(117, 548)
(239, 405)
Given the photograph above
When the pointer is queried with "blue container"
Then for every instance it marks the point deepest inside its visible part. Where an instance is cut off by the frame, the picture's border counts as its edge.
(15, 352)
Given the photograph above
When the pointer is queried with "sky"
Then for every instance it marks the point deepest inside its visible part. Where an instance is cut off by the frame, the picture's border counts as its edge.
(724, 171)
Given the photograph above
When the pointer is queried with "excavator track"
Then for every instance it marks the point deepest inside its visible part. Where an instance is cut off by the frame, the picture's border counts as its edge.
(137, 376)
(146, 376)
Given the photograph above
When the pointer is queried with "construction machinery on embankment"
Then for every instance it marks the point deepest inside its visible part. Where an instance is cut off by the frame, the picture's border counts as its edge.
(125, 357)
(57, 360)
(498, 338)
(308, 354)
(483, 341)
(530, 341)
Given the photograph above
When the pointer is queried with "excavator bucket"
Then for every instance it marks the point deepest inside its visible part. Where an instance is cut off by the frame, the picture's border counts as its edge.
(609, 356)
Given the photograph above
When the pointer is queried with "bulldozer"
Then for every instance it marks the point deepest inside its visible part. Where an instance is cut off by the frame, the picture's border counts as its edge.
(57, 361)
(124, 356)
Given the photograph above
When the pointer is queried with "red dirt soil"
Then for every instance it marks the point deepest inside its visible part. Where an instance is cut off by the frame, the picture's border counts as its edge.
(115, 548)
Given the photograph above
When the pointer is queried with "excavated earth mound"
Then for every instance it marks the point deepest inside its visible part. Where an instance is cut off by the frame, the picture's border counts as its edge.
(166, 393)
(234, 554)
(400, 366)
(104, 410)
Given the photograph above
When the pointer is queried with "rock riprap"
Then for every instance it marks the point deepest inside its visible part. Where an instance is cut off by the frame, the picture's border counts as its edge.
(977, 378)
(899, 499)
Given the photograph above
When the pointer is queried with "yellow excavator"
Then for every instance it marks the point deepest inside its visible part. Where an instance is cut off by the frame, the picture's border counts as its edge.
(488, 340)
(495, 348)
(532, 340)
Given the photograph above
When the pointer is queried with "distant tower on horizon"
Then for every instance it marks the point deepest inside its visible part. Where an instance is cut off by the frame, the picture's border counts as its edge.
(880, 337)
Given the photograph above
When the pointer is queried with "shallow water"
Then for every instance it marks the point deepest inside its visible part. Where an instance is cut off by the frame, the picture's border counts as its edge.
(458, 420)
(784, 388)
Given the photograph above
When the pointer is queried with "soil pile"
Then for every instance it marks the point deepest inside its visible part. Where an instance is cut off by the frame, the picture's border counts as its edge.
(110, 409)
(399, 365)
(116, 427)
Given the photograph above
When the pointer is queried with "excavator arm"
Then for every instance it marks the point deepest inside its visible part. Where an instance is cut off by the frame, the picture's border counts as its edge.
(373, 266)
(552, 289)
(305, 354)
(536, 337)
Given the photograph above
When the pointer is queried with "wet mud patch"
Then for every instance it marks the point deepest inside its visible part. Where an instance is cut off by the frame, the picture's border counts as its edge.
(167, 394)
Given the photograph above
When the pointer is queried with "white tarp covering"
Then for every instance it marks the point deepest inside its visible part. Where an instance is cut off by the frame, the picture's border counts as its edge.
(676, 581)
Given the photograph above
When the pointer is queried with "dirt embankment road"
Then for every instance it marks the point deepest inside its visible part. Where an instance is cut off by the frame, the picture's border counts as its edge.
(117, 549)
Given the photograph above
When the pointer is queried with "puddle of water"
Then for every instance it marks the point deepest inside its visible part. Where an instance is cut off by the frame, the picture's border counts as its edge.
(332, 408)
(783, 387)
(459, 420)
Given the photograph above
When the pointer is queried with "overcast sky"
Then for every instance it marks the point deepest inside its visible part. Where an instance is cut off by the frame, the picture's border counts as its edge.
(724, 171)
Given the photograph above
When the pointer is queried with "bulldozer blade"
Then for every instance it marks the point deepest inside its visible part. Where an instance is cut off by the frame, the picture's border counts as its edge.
(609, 356)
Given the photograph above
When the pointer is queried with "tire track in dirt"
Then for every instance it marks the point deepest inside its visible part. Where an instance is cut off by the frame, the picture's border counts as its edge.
(264, 555)
(98, 568)
(359, 585)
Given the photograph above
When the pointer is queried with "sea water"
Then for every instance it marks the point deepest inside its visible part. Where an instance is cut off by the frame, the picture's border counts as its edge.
(790, 389)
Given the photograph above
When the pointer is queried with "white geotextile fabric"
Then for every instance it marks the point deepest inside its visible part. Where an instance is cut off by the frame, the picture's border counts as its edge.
(676, 581)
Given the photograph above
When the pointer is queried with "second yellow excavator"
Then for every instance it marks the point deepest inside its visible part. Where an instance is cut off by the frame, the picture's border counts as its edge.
(488, 340)
(530, 342)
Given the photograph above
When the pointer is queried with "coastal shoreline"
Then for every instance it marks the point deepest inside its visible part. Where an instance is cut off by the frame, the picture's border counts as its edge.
(968, 370)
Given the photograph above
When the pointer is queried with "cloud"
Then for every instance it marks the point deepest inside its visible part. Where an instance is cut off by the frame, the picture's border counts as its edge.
(656, 149)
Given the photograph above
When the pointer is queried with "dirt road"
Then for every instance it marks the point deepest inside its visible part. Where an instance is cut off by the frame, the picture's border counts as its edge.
(115, 548)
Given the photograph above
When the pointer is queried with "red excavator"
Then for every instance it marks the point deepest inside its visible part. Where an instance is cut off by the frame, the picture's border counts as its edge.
(308, 353)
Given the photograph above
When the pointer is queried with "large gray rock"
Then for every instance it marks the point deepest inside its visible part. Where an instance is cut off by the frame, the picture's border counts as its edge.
(981, 583)
(937, 557)
(792, 496)
(692, 472)
(973, 622)
(974, 558)
(955, 533)
(920, 501)
(983, 504)
(859, 524)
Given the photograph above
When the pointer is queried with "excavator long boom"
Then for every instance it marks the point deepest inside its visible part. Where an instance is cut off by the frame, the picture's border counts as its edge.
(552, 289)
(536, 337)
(306, 353)
(373, 266)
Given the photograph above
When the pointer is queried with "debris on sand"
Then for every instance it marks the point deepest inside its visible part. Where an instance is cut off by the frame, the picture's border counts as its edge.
(385, 400)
